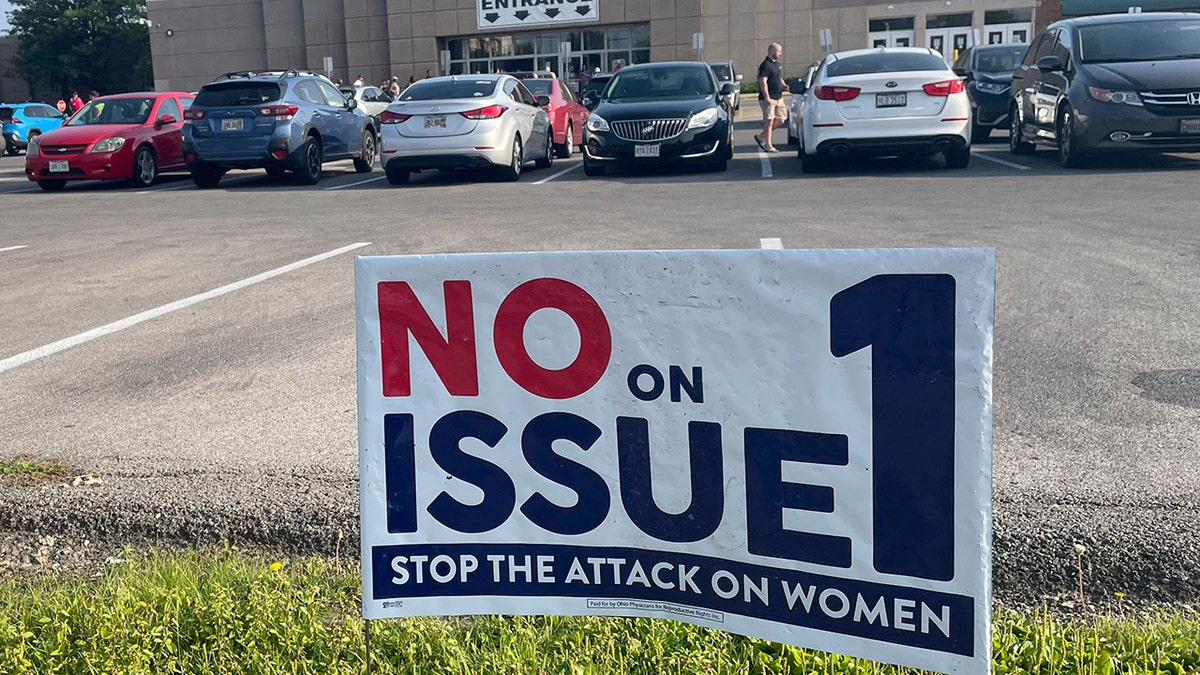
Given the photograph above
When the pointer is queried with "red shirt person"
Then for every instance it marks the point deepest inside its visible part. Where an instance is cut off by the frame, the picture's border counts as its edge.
(76, 102)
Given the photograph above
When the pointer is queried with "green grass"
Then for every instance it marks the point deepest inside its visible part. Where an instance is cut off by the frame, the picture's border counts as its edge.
(28, 470)
(227, 613)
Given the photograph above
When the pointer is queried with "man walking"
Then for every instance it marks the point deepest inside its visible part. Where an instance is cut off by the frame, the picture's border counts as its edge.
(770, 97)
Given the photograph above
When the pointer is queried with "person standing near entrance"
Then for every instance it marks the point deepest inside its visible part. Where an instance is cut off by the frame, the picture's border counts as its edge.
(770, 97)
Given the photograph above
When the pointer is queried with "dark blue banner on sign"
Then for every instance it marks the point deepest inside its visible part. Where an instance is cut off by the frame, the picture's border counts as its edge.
(607, 576)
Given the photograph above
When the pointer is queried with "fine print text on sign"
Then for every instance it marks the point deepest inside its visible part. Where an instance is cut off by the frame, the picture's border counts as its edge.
(529, 13)
(794, 445)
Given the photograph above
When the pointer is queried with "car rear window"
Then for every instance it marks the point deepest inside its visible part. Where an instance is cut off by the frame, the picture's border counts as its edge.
(436, 90)
(6, 114)
(237, 93)
(539, 87)
(1154, 40)
(998, 60)
(721, 70)
(884, 62)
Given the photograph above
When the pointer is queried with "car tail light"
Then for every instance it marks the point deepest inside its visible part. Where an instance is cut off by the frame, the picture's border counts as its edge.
(279, 154)
(491, 112)
(193, 114)
(14, 120)
(944, 88)
(279, 111)
(830, 93)
(389, 117)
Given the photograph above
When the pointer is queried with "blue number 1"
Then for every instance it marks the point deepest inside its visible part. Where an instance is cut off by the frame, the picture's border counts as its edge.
(908, 321)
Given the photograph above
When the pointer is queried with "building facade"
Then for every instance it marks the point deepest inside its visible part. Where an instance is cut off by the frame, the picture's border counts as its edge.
(192, 41)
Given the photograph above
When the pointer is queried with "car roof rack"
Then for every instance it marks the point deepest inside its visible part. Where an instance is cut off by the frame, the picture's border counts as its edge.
(271, 72)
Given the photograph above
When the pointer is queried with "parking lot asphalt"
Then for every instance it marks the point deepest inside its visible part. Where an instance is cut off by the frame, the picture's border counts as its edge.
(195, 348)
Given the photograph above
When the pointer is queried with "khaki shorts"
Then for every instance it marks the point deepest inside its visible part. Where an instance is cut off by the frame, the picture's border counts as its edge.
(776, 110)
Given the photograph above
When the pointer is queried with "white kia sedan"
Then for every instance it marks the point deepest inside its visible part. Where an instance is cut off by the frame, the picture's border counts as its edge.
(884, 101)
(465, 121)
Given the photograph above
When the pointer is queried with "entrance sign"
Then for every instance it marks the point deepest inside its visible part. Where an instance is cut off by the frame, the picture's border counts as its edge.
(531, 13)
(788, 444)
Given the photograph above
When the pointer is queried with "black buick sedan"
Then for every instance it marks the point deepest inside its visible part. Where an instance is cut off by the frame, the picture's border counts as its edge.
(659, 113)
(1114, 83)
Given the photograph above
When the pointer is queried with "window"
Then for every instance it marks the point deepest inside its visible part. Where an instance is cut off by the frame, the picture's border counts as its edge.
(1062, 49)
(566, 92)
(169, 107)
(948, 20)
(1045, 47)
(238, 93)
(523, 94)
(1031, 54)
(333, 97)
(187, 101)
(593, 39)
(432, 90)
(1139, 40)
(884, 63)
(1008, 16)
(884, 25)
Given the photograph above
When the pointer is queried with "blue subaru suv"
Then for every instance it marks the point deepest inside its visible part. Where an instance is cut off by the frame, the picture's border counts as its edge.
(20, 122)
(292, 120)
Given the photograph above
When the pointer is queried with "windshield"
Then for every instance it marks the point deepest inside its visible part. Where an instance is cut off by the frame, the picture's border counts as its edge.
(999, 60)
(436, 90)
(539, 87)
(114, 111)
(884, 62)
(1140, 41)
(721, 70)
(660, 82)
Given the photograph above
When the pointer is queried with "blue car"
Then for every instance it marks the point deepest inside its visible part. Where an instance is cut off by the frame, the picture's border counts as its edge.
(280, 121)
(20, 122)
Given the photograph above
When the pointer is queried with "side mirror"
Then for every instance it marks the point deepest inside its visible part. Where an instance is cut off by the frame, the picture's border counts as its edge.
(165, 120)
(1049, 64)
(797, 87)
(351, 103)
(588, 102)
(737, 78)
(542, 100)
(728, 88)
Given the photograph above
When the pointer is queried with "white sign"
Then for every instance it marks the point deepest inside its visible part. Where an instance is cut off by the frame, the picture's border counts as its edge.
(529, 13)
(825, 35)
(788, 444)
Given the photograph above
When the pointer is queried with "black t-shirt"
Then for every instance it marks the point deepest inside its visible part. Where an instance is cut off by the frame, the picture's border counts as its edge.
(774, 74)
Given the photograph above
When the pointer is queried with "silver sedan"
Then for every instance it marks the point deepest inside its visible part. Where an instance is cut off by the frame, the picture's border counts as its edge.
(465, 121)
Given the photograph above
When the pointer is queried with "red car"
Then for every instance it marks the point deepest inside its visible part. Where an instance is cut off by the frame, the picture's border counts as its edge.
(567, 116)
(126, 136)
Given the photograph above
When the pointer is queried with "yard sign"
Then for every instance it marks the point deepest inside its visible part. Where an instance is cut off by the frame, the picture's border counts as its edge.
(793, 445)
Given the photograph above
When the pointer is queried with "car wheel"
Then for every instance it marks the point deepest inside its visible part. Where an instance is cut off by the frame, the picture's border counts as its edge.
(957, 158)
(145, 168)
(547, 161)
(397, 176)
(52, 185)
(592, 169)
(10, 149)
(565, 150)
(1016, 140)
(309, 171)
(1069, 154)
(979, 134)
(207, 177)
(811, 163)
(276, 170)
(512, 172)
(365, 162)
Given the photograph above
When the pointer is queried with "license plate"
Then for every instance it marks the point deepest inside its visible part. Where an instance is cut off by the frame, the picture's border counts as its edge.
(435, 122)
(59, 166)
(891, 100)
(234, 124)
(647, 150)
(1189, 126)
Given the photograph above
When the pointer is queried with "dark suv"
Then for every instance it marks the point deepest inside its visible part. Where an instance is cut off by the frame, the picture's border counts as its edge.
(1119, 82)
(987, 71)
(277, 120)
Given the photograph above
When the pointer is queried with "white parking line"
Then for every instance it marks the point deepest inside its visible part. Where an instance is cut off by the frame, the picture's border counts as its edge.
(567, 170)
(361, 182)
(766, 164)
(66, 343)
(997, 160)
(770, 243)
(12, 248)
